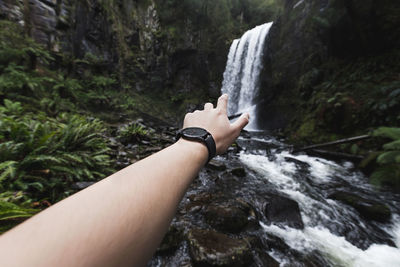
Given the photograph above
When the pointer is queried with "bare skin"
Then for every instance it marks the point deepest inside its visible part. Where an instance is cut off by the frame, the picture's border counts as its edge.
(120, 220)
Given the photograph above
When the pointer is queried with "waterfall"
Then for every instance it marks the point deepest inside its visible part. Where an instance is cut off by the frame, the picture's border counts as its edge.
(241, 76)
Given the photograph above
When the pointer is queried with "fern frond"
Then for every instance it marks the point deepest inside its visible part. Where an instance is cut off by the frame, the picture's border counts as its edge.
(395, 145)
(9, 169)
(388, 132)
(389, 157)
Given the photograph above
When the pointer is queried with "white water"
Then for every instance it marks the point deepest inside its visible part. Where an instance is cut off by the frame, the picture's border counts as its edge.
(318, 212)
(241, 76)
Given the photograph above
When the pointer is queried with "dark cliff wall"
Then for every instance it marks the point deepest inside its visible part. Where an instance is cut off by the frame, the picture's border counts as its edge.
(316, 42)
(176, 49)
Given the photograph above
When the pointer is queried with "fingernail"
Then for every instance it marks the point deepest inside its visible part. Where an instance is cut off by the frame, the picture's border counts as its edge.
(225, 95)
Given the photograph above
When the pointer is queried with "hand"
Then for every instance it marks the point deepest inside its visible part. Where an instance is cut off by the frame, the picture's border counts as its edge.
(215, 121)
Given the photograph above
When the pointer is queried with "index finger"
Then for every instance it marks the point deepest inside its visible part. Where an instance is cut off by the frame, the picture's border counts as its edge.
(223, 103)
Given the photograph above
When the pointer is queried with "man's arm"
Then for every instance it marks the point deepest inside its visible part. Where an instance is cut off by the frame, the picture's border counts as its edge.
(120, 220)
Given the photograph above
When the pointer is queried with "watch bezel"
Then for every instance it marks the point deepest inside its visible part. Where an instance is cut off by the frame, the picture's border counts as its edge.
(187, 132)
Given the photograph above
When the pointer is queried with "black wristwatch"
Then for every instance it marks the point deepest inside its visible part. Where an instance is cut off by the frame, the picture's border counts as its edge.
(199, 135)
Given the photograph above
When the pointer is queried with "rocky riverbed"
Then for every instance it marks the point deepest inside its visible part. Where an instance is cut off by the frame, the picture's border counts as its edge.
(259, 205)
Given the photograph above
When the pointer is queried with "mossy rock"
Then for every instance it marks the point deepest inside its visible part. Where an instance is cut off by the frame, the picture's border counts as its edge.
(210, 248)
(231, 219)
(369, 209)
(368, 164)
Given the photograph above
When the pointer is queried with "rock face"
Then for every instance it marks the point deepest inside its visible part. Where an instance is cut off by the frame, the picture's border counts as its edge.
(284, 212)
(152, 45)
(370, 210)
(307, 35)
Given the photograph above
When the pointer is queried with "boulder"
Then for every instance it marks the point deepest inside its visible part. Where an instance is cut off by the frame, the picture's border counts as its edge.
(264, 259)
(304, 166)
(283, 212)
(369, 209)
(216, 165)
(210, 248)
(231, 219)
(239, 172)
(171, 240)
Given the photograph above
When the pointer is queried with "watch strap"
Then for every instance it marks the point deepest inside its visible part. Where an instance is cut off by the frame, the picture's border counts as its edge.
(208, 141)
(212, 148)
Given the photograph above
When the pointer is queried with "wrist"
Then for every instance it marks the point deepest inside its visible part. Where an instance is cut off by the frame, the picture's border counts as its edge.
(194, 149)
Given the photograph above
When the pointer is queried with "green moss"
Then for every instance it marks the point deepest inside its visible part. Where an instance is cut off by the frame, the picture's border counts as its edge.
(307, 129)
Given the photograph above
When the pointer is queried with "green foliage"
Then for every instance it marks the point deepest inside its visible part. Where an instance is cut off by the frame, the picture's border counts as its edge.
(387, 101)
(389, 157)
(43, 156)
(12, 211)
(11, 214)
(218, 22)
(395, 145)
(389, 160)
(387, 132)
(386, 176)
(132, 133)
(16, 48)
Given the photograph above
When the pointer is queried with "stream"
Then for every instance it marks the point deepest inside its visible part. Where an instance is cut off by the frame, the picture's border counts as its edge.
(331, 228)
(281, 205)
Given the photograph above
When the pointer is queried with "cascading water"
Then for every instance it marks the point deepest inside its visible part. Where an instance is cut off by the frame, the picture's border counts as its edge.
(241, 76)
(334, 231)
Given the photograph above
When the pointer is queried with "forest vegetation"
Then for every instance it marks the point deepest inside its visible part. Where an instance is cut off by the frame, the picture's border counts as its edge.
(75, 82)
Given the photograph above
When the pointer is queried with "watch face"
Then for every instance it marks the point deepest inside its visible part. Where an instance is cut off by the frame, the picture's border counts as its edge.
(194, 132)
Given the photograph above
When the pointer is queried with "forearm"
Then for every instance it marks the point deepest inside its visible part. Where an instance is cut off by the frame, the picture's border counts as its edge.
(116, 222)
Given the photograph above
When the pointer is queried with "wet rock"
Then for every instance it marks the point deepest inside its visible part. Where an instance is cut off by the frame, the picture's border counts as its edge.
(216, 165)
(234, 148)
(171, 240)
(210, 248)
(283, 212)
(82, 185)
(226, 218)
(274, 242)
(265, 260)
(260, 255)
(239, 172)
(369, 209)
(304, 166)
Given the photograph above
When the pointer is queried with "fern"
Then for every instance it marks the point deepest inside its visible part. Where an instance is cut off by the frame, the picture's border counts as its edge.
(395, 145)
(44, 158)
(12, 214)
(389, 160)
(8, 169)
(387, 132)
(389, 157)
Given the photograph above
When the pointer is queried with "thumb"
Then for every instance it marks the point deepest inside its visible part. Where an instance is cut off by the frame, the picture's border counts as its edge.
(241, 122)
